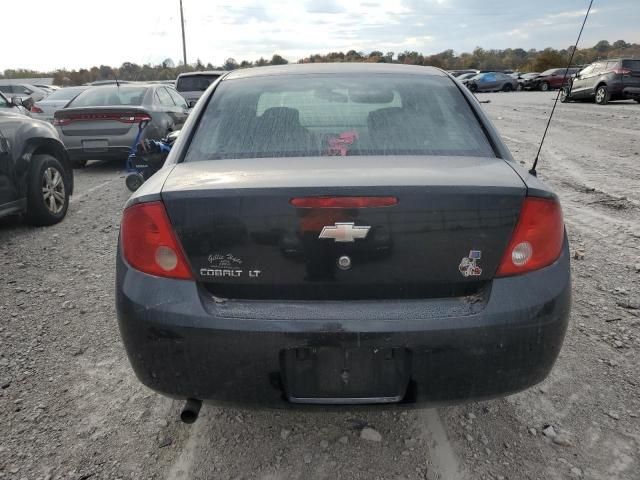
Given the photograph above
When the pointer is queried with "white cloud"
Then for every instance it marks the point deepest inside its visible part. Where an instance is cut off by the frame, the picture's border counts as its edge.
(81, 33)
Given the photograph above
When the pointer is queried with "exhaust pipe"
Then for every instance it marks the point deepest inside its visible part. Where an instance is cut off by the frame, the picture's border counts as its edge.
(191, 410)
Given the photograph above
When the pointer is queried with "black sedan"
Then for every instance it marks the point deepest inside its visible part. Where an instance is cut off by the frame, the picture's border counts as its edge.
(36, 177)
(341, 234)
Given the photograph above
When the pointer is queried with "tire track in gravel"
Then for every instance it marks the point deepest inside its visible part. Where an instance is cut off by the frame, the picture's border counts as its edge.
(317, 444)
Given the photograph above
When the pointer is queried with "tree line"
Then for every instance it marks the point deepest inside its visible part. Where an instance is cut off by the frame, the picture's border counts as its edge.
(516, 59)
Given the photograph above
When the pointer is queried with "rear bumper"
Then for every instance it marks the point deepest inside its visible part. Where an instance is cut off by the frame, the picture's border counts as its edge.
(112, 153)
(183, 344)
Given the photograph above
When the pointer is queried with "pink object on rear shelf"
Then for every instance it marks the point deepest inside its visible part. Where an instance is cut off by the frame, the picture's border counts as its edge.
(339, 146)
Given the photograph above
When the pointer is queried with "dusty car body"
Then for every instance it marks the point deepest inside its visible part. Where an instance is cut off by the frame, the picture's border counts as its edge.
(491, 82)
(341, 234)
(606, 80)
(36, 177)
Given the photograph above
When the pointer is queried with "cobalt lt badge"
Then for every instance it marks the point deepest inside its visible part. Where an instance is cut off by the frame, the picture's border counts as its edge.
(469, 267)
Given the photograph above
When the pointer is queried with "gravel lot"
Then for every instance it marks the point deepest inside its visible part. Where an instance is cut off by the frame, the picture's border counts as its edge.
(71, 407)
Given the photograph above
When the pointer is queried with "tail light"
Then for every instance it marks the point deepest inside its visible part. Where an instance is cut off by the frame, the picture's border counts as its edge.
(622, 71)
(537, 239)
(124, 117)
(149, 243)
(343, 202)
(35, 109)
(137, 118)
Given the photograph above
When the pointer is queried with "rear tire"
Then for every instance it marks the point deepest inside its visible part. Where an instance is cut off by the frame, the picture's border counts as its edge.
(602, 95)
(564, 96)
(507, 87)
(473, 88)
(48, 191)
(544, 86)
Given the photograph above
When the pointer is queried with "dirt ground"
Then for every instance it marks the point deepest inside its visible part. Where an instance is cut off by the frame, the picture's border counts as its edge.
(71, 408)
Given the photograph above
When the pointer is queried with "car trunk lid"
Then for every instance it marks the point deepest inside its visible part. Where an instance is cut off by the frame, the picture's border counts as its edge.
(245, 237)
(100, 121)
(631, 73)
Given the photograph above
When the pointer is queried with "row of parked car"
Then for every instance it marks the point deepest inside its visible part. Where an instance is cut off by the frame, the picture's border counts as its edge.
(601, 81)
(76, 124)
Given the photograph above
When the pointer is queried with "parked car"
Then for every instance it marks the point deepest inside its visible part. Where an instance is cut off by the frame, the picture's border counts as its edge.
(605, 80)
(50, 88)
(101, 123)
(431, 266)
(466, 76)
(491, 82)
(23, 91)
(457, 73)
(13, 106)
(524, 78)
(553, 78)
(44, 109)
(36, 177)
(193, 84)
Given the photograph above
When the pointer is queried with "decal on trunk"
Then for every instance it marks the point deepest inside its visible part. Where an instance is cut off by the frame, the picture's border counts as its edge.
(226, 266)
(469, 265)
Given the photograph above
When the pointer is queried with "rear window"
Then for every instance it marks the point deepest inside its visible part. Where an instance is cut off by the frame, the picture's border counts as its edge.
(633, 65)
(111, 95)
(195, 83)
(64, 93)
(321, 115)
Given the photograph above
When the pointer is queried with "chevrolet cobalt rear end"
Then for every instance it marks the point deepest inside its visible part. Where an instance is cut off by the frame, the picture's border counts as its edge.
(341, 234)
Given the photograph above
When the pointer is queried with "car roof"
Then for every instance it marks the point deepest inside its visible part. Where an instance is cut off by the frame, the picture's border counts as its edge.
(333, 68)
(206, 72)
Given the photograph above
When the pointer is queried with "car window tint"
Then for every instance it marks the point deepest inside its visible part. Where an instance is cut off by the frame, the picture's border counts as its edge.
(111, 95)
(177, 98)
(633, 65)
(319, 115)
(64, 94)
(490, 77)
(611, 65)
(598, 67)
(195, 83)
(6, 89)
(587, 70)
(3, 102)
(164, 98)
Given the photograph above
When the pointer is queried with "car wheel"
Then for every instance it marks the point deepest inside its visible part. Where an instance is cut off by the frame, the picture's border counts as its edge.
(602, 95)
(564, 95)
(544, 86)
(637, 100)
(48, 191)
(473, 87)
(79, 163)
(507, 87)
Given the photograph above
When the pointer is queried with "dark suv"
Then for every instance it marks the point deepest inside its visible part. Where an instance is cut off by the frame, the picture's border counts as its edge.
(605, 80)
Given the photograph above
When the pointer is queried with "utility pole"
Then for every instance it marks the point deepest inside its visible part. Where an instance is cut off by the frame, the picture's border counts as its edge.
(184, 43)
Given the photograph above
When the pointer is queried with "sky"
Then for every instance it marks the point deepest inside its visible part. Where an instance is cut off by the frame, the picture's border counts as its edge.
(82, 33)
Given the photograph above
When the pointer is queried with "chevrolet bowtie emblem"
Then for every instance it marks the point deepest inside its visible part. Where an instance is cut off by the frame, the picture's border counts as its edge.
(344, 232)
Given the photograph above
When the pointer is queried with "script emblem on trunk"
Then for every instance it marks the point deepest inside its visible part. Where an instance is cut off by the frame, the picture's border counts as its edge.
(344, 232)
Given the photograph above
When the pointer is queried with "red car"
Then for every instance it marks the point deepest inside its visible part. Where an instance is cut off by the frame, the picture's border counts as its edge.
(550, 79)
